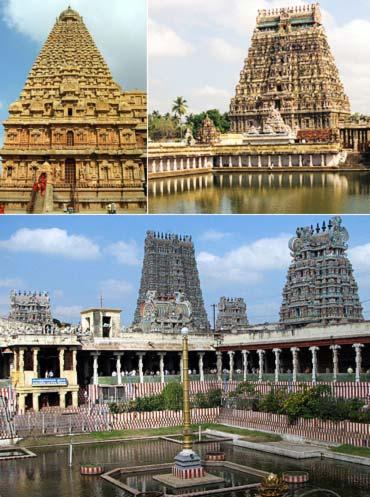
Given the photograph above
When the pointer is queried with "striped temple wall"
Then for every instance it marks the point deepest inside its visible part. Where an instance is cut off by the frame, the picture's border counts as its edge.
(342, 432)
(348, 390)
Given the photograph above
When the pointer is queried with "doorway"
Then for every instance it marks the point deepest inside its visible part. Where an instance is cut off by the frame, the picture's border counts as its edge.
(70, 171)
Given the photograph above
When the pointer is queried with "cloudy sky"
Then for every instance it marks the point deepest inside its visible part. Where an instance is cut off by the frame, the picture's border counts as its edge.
(77, 258)
(119, 28)
(197, 48)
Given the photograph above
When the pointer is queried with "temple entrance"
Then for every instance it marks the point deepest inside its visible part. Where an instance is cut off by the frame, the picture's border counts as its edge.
(70, 171)
(49, 399)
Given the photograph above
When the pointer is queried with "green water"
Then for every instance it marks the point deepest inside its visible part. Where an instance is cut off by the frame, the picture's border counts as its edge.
(48, 475)
(264, 193)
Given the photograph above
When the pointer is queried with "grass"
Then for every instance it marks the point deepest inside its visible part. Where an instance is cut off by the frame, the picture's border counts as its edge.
(250, 435)
(105, 436)
(352, 450)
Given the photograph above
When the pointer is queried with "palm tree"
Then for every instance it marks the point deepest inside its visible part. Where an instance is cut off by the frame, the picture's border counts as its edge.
(180, 109)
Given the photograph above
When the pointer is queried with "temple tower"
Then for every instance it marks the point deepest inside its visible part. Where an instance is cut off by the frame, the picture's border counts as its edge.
(170, 267)
(232, 315)
(290, 66)
(73, 133)
(30, 307)
(320, 285)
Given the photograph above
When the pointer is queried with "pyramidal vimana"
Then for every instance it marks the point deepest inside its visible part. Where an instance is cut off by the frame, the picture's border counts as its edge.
(74, 140)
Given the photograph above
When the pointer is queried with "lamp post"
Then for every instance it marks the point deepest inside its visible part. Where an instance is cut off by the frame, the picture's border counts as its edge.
(187, 462)
(187, 440)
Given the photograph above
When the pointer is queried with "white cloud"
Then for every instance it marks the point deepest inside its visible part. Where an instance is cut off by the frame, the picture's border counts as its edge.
(115, 288)
(247, 263)
(119, 30)
(210, 91)
(224, 51)
(360, 257)
(163, 41)
(68, 313)
(213, 236)
(11, 283)
(52, 241)
(125, 252)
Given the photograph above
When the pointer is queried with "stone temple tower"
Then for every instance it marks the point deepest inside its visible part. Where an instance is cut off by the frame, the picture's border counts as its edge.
(320, 285)
(74, 138)
(170, 267)
(290, 67)
(30, 307)
(232, 315)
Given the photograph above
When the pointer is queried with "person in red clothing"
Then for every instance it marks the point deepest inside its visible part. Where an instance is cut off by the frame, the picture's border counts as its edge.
(42, 183)
(2, 208)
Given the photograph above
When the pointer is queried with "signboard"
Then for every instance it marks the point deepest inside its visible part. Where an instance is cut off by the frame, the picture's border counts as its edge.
(49, 382)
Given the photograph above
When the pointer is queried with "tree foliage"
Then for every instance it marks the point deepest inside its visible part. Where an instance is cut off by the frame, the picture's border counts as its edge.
(221, 121)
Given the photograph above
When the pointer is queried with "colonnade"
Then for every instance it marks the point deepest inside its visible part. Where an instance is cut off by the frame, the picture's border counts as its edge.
(245, 363)
(270, 161)
(173, 164)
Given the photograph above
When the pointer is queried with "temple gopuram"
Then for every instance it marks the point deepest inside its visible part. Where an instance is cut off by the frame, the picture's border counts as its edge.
(74, 140)
(232, 315)
(320, 285)
(170, 267)
(290, 66)
(30, 307)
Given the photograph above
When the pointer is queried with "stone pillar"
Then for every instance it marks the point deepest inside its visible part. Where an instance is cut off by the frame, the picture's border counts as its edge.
(21, 360)
(322, 160)
(231, 364)
(161, 365)
(279, 161)
(277, 353)
(61, 362)
(314, 363)
(221, 164)
(21, 403)
(35, 402)
(294, 351)
(311, 161)
(95, 356)
(290, 161)
(35, 362)
(140, 366)
(74, 360)
(335, 349)
(261, 354)
(161, 166)
(245, 364)
(269, 161)
(240, 161)
(154, 169)
(62, 399)
(358, 347)
(118, 356)
(249, 161)
(74, 399)
(200, 363)
(300, 161)
(219, 365)
(230, 161)
(259, 161)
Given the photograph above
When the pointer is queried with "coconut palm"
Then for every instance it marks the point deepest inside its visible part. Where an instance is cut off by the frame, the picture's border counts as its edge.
(179, 109)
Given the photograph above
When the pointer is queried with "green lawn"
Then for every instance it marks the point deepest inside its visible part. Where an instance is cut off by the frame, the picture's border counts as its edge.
(352, 450)
(253, 436)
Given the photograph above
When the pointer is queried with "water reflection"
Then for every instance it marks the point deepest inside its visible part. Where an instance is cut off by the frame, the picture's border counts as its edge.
(255, 193)
(48, 475)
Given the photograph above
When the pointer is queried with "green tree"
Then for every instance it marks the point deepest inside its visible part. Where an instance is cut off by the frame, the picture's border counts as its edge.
(172, 395)
(221, 121)
(163, 127)
(179, 110)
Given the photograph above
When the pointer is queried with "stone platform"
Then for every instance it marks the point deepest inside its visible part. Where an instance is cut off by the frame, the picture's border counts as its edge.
(174, 482)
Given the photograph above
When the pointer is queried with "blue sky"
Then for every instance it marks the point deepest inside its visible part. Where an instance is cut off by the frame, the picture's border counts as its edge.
(75, 258)
(119, 30)
(197, 48)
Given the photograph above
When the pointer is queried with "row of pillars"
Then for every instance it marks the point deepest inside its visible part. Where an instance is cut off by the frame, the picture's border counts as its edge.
(294, 350)
(18, 360)
(201, 162)
(270, 163)
(140, 355)
(261, 358)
